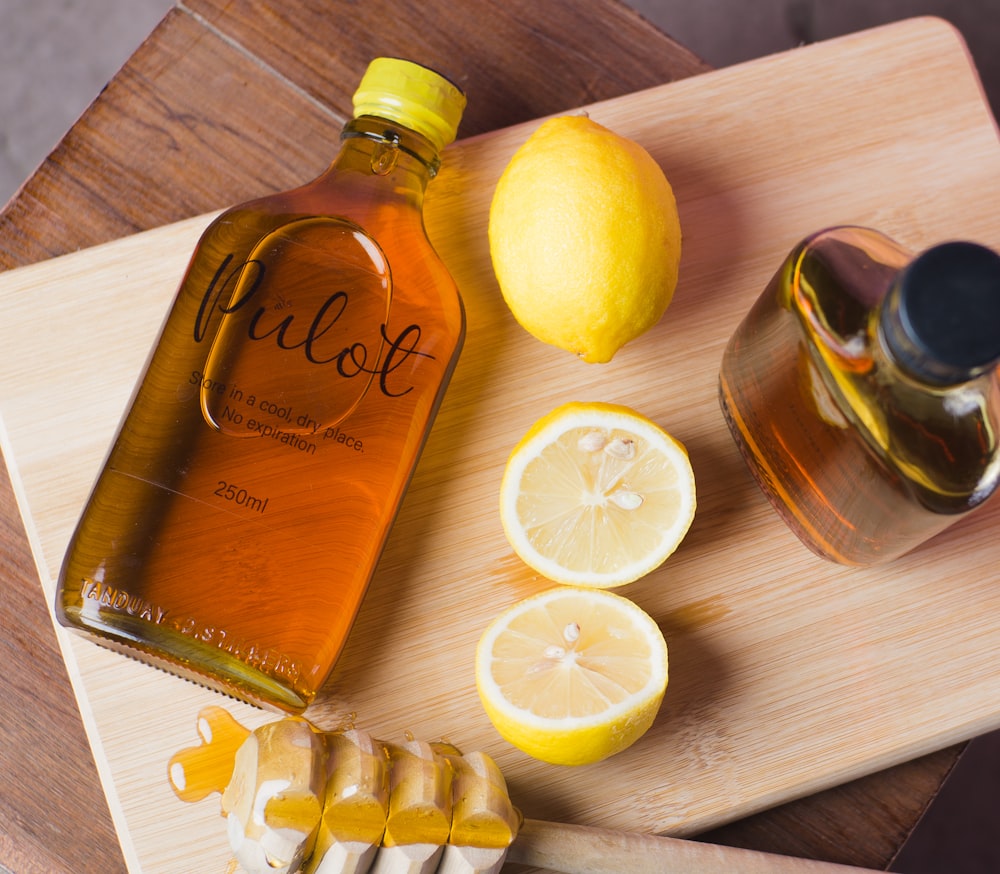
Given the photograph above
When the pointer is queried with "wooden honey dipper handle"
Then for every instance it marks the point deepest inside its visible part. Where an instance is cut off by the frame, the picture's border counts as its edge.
(574, 849)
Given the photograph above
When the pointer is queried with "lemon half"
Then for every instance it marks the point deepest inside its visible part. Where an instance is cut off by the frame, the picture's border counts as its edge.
(596, 495)
(584, 237)
(572, 676)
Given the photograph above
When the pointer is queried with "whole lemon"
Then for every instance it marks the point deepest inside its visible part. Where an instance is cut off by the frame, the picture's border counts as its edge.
(584, 237)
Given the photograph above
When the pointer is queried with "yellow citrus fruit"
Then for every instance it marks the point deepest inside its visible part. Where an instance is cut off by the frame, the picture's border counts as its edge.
(572, 676)
(596, 495)
(584, 237)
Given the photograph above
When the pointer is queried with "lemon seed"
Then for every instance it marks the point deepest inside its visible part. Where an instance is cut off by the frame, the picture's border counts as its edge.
(626, 500)
(621, 447)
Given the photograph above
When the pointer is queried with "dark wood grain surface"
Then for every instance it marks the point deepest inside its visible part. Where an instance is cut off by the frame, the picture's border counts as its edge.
(230, 99)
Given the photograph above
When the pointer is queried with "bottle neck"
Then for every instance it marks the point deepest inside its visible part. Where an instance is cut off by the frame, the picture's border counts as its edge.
(383, 149)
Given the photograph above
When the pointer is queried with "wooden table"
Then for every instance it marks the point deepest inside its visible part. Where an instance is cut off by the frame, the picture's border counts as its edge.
(228, 100)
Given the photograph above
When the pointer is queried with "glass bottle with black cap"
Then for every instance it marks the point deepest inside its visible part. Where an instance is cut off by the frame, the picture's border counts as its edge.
(862, 390)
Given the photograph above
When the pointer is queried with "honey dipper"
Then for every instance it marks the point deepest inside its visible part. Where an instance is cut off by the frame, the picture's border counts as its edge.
(297, 799)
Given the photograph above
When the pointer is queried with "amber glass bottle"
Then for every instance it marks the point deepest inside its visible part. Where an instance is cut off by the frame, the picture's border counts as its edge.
(250, 489)
(862, 390)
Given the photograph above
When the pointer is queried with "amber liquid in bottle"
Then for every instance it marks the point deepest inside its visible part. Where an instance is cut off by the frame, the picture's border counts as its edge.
(862, 460)
(249, 492)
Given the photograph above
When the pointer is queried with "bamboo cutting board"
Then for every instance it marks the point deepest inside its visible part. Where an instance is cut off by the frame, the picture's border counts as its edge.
(788, 674)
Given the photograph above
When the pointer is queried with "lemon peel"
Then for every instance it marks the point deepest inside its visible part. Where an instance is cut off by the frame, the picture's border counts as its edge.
(584, 238)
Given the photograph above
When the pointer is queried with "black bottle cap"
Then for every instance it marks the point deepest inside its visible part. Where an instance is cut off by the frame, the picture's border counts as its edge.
(942, 319)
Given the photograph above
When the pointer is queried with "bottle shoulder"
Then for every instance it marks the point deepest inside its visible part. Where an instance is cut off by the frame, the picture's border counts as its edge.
(838, 278)
(242, 232)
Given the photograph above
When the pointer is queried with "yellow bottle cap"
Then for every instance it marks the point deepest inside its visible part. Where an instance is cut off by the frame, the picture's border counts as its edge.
(412, 96)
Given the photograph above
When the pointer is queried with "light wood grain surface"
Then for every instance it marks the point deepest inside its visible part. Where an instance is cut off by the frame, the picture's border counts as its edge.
(788, 674)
